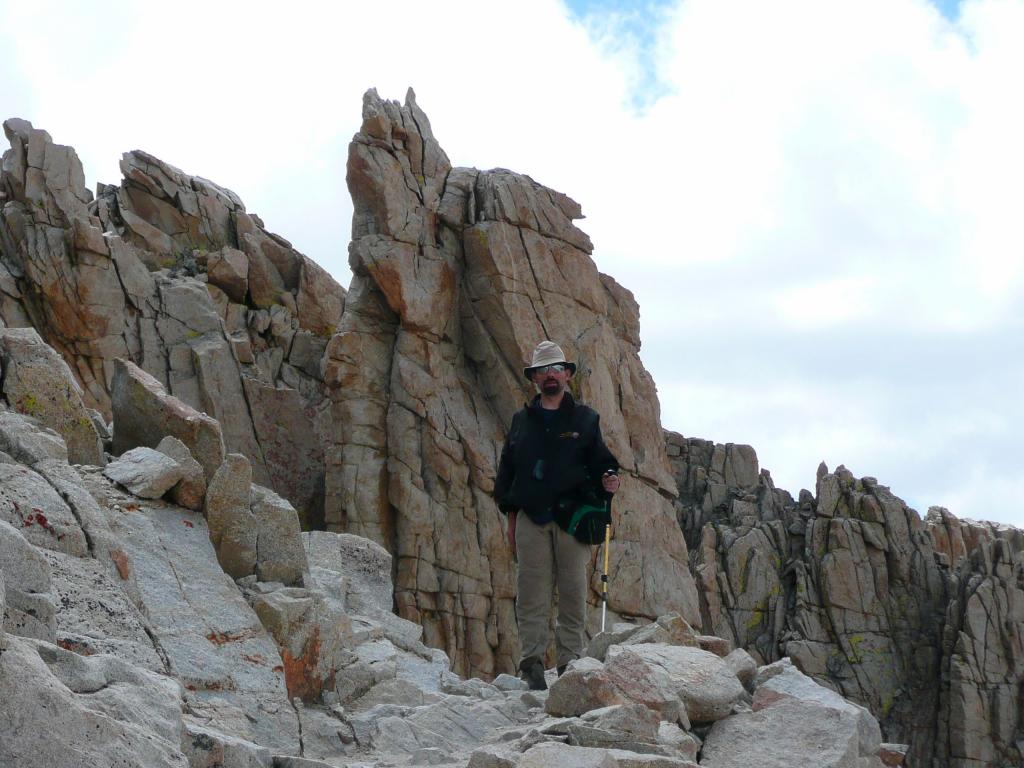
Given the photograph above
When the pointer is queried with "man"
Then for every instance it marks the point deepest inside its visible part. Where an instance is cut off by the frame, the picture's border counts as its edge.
(553, 460)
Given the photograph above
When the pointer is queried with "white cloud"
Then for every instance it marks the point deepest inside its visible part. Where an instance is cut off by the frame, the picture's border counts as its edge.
(790, 174)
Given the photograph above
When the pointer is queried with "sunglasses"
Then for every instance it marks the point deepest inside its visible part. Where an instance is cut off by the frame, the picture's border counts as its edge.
(555, 368)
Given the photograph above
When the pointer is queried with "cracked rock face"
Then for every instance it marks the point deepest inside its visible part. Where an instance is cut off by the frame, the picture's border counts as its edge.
(169, 271)
(458, 274)
(920, 621)
(378, 412)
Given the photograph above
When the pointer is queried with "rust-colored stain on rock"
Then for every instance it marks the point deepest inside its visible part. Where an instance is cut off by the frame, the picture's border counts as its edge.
(300, 675)
(222, 638)
(121, 563)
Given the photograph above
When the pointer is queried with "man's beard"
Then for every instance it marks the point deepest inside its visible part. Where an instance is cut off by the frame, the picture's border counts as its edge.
(551, 387)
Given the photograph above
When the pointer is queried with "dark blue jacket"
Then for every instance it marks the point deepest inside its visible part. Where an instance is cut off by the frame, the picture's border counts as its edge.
(543, 462)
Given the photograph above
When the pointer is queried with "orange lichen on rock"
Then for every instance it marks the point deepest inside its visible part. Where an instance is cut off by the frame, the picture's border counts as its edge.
(300, 673)
(121, 562)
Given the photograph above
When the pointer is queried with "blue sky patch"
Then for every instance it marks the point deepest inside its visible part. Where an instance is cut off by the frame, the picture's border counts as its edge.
(948, 8)
(630, 24)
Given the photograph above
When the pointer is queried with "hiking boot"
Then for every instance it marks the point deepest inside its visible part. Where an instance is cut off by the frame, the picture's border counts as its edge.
(532, 671)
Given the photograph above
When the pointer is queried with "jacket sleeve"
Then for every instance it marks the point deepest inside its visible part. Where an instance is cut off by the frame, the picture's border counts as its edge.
(600, 460)
(506, 473)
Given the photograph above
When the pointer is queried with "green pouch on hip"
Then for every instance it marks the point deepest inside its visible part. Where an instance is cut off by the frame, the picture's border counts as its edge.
(588, 523)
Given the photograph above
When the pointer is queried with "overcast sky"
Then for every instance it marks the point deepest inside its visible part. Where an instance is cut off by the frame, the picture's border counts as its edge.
(816, 202)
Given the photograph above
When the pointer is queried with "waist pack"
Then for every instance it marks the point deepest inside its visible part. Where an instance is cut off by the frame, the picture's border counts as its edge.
(584, 520)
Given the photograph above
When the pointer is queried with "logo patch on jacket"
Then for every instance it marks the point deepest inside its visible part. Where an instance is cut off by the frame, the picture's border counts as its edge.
(570, 435)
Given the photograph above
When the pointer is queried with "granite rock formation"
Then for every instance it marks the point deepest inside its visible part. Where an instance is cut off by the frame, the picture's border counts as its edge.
(390, 430)
(170, 272)
(374, 417)
(457, 274)
(919, 620)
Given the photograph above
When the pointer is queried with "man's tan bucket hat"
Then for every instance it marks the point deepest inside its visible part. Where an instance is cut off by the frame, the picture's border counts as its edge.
(548, 353)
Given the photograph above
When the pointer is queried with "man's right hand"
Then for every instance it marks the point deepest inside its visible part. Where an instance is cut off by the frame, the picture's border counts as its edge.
(512, 531)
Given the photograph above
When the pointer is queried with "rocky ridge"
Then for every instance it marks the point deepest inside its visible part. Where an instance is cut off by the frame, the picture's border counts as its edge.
(169, 271)
(920, 621)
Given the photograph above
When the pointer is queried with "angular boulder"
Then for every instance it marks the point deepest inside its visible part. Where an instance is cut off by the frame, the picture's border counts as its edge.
(791, 733)
(228, 511)
(703, 682)
(146, 473)
(190, 491)
(741, 664)
(311, 634)
(587, 685)
(228, 269)
(782, 681)
(144, 414)
(38, 383)
(280, 554)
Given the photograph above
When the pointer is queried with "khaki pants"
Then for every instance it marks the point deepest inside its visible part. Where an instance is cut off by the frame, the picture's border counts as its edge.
(548, 556)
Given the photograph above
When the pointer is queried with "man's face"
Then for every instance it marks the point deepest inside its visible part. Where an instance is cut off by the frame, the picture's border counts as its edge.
(551, 381)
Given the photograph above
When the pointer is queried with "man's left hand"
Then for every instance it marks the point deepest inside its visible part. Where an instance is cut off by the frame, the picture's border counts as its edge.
(610, 482)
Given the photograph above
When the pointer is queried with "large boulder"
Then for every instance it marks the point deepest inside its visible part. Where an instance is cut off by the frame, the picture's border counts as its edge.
(280, 555)
(792, 732)
(588, 685)
(38, 383)
(548, 754)
(228, 512)
(190, 491)
(705, 684)
(312, 635)
(782, 681)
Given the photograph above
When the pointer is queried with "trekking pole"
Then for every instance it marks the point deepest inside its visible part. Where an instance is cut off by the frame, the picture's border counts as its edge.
(604, 575)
